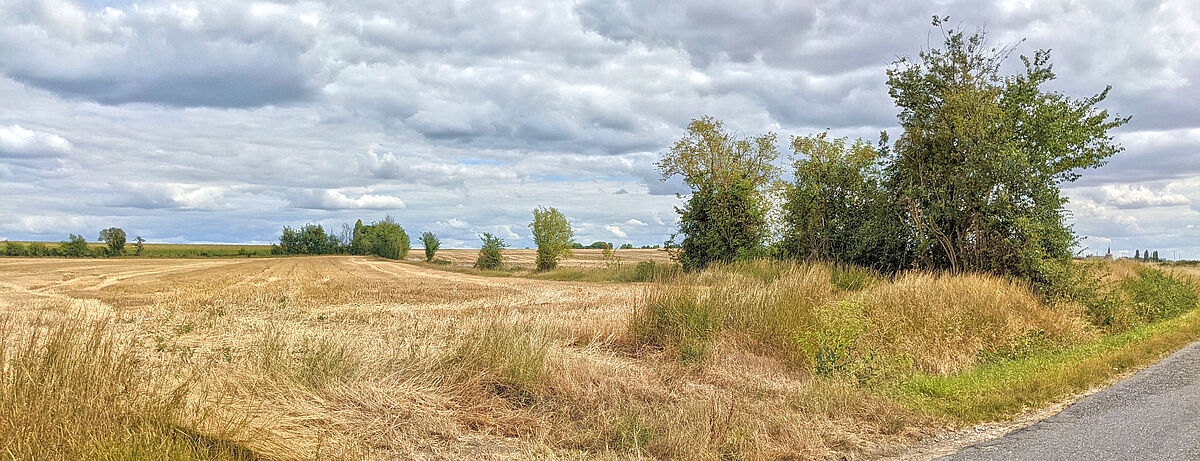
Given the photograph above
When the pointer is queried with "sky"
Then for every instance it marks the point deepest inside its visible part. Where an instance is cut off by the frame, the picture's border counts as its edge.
(222, 121)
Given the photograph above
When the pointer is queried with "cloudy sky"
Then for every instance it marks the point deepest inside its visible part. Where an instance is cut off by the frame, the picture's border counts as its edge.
(221, 121)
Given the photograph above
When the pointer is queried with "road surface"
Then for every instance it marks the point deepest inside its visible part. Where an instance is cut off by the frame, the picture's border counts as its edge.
(1154, 414)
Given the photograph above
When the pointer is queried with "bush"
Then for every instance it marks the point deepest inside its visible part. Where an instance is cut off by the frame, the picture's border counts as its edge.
(74, 247)
(838, 210)
(725, 218)
(310, 239)
(490, 257)
(384, 238)
(37, 249)
(14, 249)
(431, 244)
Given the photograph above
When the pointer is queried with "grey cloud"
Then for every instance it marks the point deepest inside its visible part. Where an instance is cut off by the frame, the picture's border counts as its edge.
(180, 55)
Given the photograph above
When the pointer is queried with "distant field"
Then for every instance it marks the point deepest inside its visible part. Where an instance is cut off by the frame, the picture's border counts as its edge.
(186, 250)
(526, 258)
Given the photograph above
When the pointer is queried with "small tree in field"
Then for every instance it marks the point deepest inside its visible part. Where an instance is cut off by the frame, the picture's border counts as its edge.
(139, 244)
(552, 234)
(431, 244)
(115, 238)
(490, 256)
(726, 216)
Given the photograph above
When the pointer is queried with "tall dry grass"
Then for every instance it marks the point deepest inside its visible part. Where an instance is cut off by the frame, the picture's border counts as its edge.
(74, 390)
(798, 314)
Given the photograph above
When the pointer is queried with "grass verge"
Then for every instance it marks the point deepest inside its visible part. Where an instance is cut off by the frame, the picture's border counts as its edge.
(1000, 390)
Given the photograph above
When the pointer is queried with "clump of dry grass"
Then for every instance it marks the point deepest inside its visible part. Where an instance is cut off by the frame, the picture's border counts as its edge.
(943, 322)
(936, 323)
(71, 390)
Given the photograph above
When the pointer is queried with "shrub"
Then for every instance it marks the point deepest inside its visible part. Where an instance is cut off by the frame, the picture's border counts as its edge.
(15, 249)
(38, 249)
(310, 239)
(838, 210)
(490, 257)
(552, 233)
(74, 247)
(385, 238)
(431, 244)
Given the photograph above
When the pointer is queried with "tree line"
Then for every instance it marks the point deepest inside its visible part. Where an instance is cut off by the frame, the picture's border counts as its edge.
(75, 246)
(973, 182)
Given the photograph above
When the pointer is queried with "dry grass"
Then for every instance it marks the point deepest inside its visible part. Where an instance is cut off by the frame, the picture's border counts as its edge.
(355, 357)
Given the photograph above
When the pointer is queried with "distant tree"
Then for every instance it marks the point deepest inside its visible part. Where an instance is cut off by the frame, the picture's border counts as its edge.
(1156, 256)
(37, 249)
(626, 246)
(14, 249)
(115, 238)
(74, 247)
(490, 256)
(726, 216)
(358, 243)
(552, 233)
(981, 158)
(139, 244)
(431, 244)
(599, 245)
(383, 238)
(310, 239)
(1137, 254)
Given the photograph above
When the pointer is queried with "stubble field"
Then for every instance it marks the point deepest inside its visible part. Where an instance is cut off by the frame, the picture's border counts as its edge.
(348, 357)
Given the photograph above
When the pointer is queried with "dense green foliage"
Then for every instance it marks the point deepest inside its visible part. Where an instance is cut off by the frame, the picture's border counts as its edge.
(310, 239)
(838, 210)
(979, 164)
(552, 233)
(490, 254)
(75, 247)
(431, 244)
(114, 238)
(726, 216)
(139, 245)
(384, 238)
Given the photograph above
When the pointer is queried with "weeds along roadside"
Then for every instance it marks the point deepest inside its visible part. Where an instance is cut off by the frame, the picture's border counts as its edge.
(968, 347)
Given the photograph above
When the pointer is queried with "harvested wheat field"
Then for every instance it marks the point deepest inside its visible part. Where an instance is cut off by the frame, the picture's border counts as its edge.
(524, 258)
(346, 357)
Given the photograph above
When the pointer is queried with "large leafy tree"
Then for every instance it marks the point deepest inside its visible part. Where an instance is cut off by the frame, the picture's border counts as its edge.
(726, 216)
(114, 237)
(979, 165)
(552, 233)
(838, 209)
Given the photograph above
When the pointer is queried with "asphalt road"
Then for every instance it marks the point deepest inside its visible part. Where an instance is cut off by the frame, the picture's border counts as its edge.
(1153, 415)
